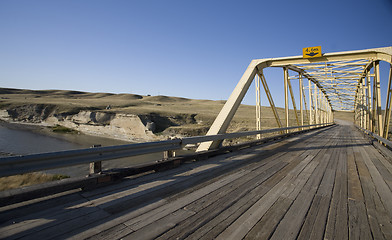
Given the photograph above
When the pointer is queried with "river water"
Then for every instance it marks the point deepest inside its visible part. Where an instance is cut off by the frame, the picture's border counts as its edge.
(23, 140)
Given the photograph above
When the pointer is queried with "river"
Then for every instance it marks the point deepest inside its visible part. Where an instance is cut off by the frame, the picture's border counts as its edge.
(24, 139)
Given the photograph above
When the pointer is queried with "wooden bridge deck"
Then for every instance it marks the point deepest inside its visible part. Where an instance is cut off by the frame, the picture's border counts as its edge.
(329, 183)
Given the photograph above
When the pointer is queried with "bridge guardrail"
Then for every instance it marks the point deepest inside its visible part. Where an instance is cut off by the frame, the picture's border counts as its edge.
(381, 139)
(37, 162)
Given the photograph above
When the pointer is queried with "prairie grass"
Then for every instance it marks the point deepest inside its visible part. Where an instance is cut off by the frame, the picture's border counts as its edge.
(27, 179)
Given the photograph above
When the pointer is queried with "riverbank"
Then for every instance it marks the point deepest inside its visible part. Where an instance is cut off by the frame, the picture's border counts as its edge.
(80, 139)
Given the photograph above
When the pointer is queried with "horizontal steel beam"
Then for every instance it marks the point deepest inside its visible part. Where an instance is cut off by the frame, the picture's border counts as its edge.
(43, 161)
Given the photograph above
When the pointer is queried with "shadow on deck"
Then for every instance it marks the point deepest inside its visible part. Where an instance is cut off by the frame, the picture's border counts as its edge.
(329, 183)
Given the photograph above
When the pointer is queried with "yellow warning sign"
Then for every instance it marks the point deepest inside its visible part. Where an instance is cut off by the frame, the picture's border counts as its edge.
(311, 52)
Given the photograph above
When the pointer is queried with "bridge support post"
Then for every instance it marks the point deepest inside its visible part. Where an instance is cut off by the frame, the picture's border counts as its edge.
(286, 96)
(369, 102)
(378, 97)
(258, 105)
(316, 117)
(320, 105)
(361, 105)
(168, 154)
(301, 107)
(293, 99)
(364, 97)
(387, 117)
(95, 167)
(310, 103)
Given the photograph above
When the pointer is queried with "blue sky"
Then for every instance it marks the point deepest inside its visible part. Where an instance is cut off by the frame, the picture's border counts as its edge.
(193, 49)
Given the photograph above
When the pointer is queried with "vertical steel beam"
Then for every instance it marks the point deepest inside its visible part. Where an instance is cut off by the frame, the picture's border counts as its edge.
(301, 88)
(387, 117)
(365, 106)
(306, 105)
(310, 103)
(258, 105)
(286, 97)
(316, 105)
(369, 101)
(319, 104)
(362, 105)
(378, 93)
(293, 101)
(374, 100)
(325, 110)
(321, 109)
(355, 111)
(360, 100)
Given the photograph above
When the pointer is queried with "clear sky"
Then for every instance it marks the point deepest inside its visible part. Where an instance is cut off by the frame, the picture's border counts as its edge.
(194, 49)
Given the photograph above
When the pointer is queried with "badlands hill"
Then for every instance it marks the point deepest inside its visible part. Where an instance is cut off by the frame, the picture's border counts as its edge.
(124, 116)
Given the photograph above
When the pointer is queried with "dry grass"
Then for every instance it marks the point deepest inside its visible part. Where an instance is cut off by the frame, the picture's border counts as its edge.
(346, 116)
(27, 179)
(72, 102)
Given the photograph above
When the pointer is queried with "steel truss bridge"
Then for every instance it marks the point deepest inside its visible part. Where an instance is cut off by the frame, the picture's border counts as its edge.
(341, 81)
(315, 180)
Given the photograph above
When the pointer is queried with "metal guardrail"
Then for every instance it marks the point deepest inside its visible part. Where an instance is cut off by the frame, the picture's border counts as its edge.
(381, 139)
(43, 161)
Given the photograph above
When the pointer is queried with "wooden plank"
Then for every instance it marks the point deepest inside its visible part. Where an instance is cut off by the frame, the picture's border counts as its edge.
(116, 232)
(150, 219)
(20, 212)
(124, 200)
(256, 170)
(160, 226)
(369, 160)
(40, 218)
(219, 223)
(216, 225)
(382, 188)
(105, 228)
(380, 223)
(336, 227)
(288, 192)
(280, 213)
(214, 205)
(163, 188)
(29, 228)
(290, 225)
(151, 216)
(66, 226)
(316, 219)
(211, 193)
(382, 165)
(97, 225)
(358, 222)
(176, 233)
(246, 221)
(387, 164)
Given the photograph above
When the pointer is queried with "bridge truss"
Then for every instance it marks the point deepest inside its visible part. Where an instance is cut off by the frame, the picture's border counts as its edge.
(341, 81)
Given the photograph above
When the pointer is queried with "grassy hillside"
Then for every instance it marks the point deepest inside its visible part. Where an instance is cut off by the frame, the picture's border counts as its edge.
(202, 111)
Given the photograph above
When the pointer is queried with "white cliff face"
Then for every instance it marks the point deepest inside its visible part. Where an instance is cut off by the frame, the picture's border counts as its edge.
(4, 115)
(128, 127)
